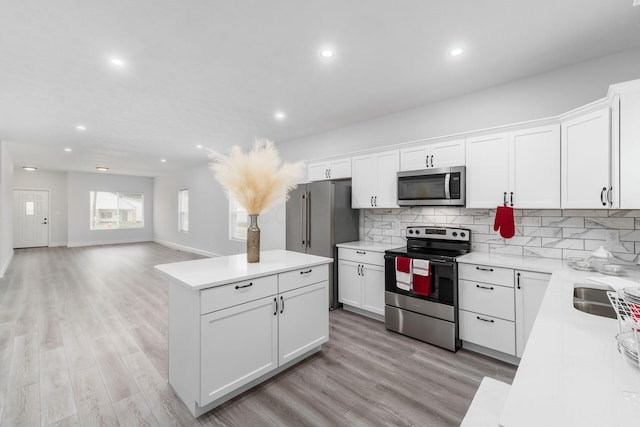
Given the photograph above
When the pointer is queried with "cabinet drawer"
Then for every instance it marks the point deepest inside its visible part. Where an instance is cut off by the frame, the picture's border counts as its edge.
(486, 274)
(302, 277)
(226, 296)
(485, 298)
(488, 331)
(361, 256)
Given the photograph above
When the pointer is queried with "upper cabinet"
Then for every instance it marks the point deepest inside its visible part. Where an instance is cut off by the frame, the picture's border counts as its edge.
(626, 138)
(587, 166)
(332, 169)
(374, 180)
(519, 168)
(435, 155)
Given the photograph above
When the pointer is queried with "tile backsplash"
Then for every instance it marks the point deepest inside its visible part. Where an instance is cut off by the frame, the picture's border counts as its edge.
(545, 233)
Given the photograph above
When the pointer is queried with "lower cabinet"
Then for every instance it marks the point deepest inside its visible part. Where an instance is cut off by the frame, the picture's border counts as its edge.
(361, 284)
(498, 306)
(243, 339)
(530, 289)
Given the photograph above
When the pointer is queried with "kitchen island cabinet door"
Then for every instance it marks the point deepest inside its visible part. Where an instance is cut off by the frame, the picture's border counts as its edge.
(349, 283)
(373, 289)
(304, 320)
(530, 289)
(238, 345)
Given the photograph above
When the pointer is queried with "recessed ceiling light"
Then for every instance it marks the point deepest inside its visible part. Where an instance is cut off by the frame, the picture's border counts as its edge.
(30, 168)
(81, 128)
(68, 150)
(163, 160)
(102, 168)
(199, 146)
(117, 62)
(326, 53)
(280, 115)
(456, 52)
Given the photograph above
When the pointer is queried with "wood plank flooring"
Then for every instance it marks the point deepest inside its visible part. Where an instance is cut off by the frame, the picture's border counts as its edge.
(83, 341)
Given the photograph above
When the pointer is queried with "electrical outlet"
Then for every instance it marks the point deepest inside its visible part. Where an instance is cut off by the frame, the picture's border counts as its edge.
(612, 236)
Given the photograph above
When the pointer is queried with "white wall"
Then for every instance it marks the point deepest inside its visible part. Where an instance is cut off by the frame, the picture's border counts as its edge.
(208, 215)
(6, 208)
(56, 184)
(78, 187)
(537, 97)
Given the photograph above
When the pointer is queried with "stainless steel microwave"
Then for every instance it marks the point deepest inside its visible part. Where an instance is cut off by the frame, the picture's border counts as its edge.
(432, 187)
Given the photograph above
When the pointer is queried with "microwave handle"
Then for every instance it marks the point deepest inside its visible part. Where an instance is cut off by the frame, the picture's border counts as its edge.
(447, 192)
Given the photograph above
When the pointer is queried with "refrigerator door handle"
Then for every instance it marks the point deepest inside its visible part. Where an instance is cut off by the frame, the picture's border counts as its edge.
(304, 219)
(308, 220)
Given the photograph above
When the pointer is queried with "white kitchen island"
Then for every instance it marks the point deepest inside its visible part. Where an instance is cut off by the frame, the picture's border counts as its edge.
(233, 325)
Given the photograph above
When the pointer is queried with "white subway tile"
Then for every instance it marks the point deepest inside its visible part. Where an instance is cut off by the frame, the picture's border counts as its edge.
(541, 212)
(619, 223)
(627, 213)
(475, 212)
(637, 224)
(566, 253)
(480, 247)
(446, 211)
(622, 247)
(563, 243)
(483, 220)
(585, 212)
(542, 231)
(543, 252)
(528, 221)
(505, 249)
(460, 219)
(571, 221)
(584, 233)
(482, 229)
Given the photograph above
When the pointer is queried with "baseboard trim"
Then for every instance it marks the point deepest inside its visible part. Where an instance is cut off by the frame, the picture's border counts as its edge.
(361, 312)
(57, 244)
(4, 267)
(106, 242)
(186, 248)
(491, 353)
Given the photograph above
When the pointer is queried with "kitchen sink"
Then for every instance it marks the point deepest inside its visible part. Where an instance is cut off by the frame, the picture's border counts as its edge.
(593, 300)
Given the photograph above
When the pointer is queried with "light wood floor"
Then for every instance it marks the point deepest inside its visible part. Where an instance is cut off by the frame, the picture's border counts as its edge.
(83, 341)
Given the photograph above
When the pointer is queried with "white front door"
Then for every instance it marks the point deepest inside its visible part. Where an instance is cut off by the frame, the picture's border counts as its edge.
(30, 218)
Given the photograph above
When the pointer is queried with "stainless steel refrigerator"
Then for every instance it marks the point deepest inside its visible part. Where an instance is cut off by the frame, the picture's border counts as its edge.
(319, 215)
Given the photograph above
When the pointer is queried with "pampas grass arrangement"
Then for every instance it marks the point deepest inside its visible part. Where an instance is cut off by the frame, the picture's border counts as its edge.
(256, 179)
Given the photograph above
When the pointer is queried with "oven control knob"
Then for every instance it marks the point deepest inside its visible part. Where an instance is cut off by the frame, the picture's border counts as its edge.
(462, 234)
(417, 231)
(410, 231)
(454, 234)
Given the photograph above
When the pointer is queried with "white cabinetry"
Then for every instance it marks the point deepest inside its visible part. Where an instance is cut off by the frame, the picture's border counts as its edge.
(587, 162)
(530, 289)
(361, 279)
(486, 307)
(228, 338)
(374, 180)
(331, 169)
(434, 155)
(521, 168)
(498, 306)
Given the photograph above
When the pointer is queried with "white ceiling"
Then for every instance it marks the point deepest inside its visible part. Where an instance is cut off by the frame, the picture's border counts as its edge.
(214, 72)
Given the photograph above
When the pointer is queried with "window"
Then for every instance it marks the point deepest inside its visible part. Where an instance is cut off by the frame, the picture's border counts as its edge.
(183, 210)
(110, 210)
(238, 221)
(30, 208)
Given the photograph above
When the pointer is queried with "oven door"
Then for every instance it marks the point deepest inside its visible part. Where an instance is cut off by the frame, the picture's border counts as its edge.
(444, 279)
(444, 186)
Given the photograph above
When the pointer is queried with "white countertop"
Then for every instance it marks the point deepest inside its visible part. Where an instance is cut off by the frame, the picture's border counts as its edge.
(368, 246)
(537, 264)
(210, 272)
(571, 373)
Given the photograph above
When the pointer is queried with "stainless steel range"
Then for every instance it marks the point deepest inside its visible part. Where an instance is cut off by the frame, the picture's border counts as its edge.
(430, 316)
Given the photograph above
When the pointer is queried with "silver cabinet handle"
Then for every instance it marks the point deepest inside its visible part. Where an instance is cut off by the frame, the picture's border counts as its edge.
(485, 287)
(484, 269)
(602, 196)
(485, 320)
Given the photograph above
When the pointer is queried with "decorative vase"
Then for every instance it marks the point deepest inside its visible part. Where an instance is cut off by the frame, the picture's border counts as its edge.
(253, 240)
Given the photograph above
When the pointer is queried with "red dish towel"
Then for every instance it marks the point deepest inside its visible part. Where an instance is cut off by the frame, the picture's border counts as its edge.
(403, 273)
(422, 277)
(505, 222)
